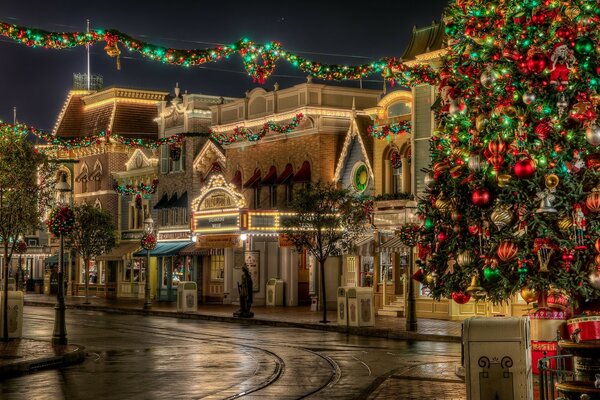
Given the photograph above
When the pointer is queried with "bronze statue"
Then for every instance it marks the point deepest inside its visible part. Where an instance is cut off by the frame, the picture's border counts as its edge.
(245, 289)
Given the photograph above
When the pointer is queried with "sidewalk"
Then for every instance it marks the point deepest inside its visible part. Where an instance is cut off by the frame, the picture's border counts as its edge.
(297, 317)
(23, 356)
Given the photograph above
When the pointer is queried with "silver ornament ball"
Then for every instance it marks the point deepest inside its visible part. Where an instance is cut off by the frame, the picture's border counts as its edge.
(592, 134)
(528, 98)
(475, 162)
(429, 179)
(594, 278)
(488, 78)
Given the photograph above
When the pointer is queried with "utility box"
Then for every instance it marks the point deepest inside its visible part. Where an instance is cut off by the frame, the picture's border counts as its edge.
(497, 358)
(352, 306)
(366, 309)
(15, 314)
(187, 296)
(274, 292)
(342, 306)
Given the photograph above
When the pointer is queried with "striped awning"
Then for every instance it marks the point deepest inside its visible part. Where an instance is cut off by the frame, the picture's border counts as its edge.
(195, 249)
(365, 246)
(120, 252)
(393, 245)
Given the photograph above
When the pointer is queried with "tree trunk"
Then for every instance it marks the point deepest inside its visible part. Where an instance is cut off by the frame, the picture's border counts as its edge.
(87, 280)
(323, 291)
(5, 295)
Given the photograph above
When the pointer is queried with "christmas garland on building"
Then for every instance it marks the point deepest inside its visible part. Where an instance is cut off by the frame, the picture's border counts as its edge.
(241, 133)
(384, 131)
(140, 188)
(258, 59)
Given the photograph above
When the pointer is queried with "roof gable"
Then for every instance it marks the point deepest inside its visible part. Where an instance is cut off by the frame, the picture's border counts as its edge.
(357, 136)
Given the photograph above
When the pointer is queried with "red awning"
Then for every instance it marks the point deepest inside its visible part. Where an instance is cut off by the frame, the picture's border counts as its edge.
(271, 176)
(237, 179)
(254, 179)
(286, 175)
(303, 174)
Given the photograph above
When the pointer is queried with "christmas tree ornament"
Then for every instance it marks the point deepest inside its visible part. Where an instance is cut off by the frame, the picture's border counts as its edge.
(501, 216)
(544, 250)
(481, 122)
(475, 163)
(460, 297)
(594, 277)
(592, 134)
(522, 217)
(562, 60)
(568, 257)
(572, 12)
(551, 181)
(465, 258)
(579, 226)
(528, 98)
(565, 224)
(442, 204)
(562, 105)
(503, 180)
(429, 179)
(543, 130)
(491, 274)
(528, 294)
(488, 78)
(597, 260)
(592, 201)
(450, 265)
(597, 245)
(524, 168)
(474, 229)
(584, 45)
(481, 197)
(507, 250)
(475, 290)
(442, 237)
(547, 196)
(536, 62)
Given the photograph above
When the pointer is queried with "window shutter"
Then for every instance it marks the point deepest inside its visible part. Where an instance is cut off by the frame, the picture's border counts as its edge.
(422, 127)
(164, 159)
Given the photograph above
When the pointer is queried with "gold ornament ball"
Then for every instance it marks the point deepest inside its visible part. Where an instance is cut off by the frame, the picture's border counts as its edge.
(465, 258)
(501, 216)
(480, 122)
(441, 204)
(565, 224)
(503, 179)
(572, 12)
(528, 294)
(551, 181)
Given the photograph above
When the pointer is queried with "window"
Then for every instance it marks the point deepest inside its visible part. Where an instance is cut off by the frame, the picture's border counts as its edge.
(164, 159)
(217, 268)
(184, 218)
(137, 215)
(165, 217)
(172, 159)
(289, 194)
(257, 197)
(272, 196)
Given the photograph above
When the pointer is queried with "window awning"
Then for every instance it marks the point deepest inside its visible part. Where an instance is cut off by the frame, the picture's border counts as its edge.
(182, 201)
(237, 179)
(286, 175)
(394, 245)
(120, 252)
(195, 249)
(271, 176)
(162, 202)
(254, 179)
(164, 249)
(172, 201)
(365, 246)
(303, 174)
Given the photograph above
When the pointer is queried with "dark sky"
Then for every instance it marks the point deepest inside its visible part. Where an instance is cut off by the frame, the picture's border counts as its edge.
(36, 81)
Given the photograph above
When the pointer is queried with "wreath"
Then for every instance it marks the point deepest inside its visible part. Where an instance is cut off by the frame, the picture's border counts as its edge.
(61, 221)
(148, 241)
(409, 234)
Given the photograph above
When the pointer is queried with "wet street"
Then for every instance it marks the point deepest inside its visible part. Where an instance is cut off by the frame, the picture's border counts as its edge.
(139, 357)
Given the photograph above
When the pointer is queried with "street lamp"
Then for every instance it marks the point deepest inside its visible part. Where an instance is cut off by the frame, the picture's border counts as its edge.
(59, 335)
(410, 217)
(148, 227)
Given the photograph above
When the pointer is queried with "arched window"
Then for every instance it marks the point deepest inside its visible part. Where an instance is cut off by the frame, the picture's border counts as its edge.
(98, 204)
(83, 177)
(396, 170)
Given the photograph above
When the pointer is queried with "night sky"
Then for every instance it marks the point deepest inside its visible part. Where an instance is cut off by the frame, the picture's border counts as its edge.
(36, 81)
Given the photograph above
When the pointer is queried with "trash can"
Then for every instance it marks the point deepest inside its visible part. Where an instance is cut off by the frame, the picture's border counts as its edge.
(342, 306)
(15, 314)
(274, 292)
(497, 358)
(366, 309)
(352, 306)
(187, 296)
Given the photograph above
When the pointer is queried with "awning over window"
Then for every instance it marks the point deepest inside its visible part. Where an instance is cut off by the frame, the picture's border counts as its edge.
(162, 202)
(172, 201)
(393, 245)
(182, 201)
(164, 249)
(237, 179)
(120, 252)
(303, 174)
(365, 246)
(286, 175)
(254, 180)
(271, 176)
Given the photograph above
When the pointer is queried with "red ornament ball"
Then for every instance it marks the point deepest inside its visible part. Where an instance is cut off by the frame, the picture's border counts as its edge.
(460, 297)
(592, 201)
(507, 250)
(481, 197)
(524, 168)
(597, 245)
(442, 237)
(536, 63)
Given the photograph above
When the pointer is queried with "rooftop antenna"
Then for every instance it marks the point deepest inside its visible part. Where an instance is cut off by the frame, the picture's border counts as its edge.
(14, 115)
(87, 47)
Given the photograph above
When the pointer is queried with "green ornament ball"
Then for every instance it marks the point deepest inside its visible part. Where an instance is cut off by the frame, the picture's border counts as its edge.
(584, 45)
(451, 29)
(491, 274)
(428, 223)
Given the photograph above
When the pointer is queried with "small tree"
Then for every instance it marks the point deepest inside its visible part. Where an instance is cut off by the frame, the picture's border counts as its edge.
(93, 234)
(326, 221)
(26, 187)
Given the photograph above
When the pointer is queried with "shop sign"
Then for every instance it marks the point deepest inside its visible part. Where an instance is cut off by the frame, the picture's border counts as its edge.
(173, 235)
(131, 235)
(218, 241)
(218, 199)
(252, 258)
(284, 241)
(217, 222)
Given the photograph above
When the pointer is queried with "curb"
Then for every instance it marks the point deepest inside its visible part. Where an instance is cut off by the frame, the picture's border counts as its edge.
(352, 330)
(23, 368)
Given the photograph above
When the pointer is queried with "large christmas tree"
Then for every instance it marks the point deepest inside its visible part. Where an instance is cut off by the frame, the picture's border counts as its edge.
(513, 196)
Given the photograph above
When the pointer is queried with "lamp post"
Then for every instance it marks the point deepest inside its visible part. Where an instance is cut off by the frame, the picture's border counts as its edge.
(410, 217)
(59, 336)
(20, 280)
(148, 227)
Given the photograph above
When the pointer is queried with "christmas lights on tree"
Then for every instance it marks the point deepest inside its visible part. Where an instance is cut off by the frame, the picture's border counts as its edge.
(513, 196)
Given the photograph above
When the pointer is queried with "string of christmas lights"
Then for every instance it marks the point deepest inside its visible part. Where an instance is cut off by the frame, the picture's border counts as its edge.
(140, 188)
(241, 133)
(258, 59)
(384, 131)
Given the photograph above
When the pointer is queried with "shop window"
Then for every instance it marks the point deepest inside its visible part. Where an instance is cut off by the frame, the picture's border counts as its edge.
(93, 277)
(131, 272)
(217, 268)
(386, 270)
(177, 275)
(366, 272)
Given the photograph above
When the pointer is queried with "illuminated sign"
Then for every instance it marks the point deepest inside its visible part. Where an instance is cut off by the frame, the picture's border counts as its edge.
(131, 235)
(164, 236)
(217, 222)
